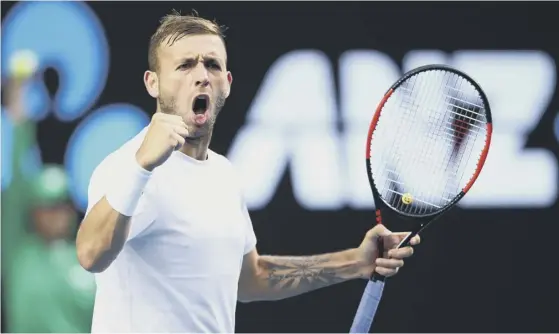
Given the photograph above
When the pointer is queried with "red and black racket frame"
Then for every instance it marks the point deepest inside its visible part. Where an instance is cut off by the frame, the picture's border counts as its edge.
(423, 220)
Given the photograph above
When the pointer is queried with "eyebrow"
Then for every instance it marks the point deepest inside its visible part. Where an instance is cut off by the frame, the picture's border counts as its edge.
(211, 55)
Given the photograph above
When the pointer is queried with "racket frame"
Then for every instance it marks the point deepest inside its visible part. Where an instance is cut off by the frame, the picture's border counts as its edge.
(421, 220)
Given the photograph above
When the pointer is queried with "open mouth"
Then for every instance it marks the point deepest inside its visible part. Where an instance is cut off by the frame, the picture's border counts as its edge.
(200, 104)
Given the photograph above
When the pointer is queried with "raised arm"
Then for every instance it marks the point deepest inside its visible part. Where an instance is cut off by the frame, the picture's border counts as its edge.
(114, 205)
(16, 197)
(118, 209)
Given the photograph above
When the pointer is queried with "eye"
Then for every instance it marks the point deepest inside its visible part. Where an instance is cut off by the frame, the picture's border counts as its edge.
(186, 65)
(213, 64)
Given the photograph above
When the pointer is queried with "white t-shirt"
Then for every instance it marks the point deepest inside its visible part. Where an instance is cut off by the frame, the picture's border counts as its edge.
(179, 268)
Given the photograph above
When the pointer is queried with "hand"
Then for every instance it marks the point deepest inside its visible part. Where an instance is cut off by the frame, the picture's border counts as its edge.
(166, 133)
(392, 260)
(22, 67)
(23, 64)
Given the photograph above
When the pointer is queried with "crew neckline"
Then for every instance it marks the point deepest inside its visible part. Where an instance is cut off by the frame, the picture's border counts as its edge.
(188, 159)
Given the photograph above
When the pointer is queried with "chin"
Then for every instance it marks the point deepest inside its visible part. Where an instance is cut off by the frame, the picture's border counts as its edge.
(199, 134)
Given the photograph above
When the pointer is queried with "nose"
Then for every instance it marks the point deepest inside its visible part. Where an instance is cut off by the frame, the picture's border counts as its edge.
(202, 83)
(201, 75)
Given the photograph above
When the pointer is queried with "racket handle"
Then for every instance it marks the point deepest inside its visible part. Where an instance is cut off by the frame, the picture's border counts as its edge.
(378, 277)
(371, 296)
(367, 307)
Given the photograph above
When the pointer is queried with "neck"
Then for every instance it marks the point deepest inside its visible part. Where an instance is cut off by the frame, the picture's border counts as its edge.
(197, 149)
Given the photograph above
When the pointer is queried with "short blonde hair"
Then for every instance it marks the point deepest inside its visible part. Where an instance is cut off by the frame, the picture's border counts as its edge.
(175, 26)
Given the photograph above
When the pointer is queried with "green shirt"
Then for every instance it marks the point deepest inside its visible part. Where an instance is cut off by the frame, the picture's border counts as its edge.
(45, 289)
(49, 292)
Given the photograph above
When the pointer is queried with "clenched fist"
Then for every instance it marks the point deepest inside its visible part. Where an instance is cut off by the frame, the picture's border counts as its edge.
(166, 133)
(392, 260)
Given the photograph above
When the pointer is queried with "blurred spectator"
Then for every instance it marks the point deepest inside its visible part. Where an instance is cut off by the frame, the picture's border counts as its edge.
(44, 287)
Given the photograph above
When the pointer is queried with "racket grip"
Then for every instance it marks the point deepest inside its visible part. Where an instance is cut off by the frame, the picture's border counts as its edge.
(376, 276)
(367, 307)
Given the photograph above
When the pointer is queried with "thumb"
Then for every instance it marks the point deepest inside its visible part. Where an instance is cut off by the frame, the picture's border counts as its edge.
(378, 231)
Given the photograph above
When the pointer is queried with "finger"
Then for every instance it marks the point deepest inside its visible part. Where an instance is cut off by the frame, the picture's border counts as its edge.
(181, 130)
(166, 118)
(400, 253)
(386, 272)
(179, 141)
(378, 231)
(401, 235)
(395, 239)
(174, 119)
(415, 240)
(389, 263)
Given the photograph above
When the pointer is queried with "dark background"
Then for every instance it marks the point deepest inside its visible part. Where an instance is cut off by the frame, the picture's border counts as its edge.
(485, 270)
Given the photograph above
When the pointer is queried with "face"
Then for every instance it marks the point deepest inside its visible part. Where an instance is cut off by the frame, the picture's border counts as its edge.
(192, 81)
(55, 222)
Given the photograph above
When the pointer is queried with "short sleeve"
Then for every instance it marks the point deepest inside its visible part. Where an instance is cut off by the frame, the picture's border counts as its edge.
(232, 178)
(105, 175)
(250, 237)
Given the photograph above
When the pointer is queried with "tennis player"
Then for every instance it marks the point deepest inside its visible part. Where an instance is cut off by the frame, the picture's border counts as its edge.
(166, 230)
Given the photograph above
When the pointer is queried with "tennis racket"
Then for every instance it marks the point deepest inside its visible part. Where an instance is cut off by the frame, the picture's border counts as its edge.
(426, 146)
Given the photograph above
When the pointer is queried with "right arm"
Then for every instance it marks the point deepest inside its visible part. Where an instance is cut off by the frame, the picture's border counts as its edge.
(118, 209)
(16, 195)
(105, 229)
(101, 236)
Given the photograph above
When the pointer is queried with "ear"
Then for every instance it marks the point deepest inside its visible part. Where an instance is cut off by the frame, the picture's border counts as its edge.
(152, 83)
(229, 81)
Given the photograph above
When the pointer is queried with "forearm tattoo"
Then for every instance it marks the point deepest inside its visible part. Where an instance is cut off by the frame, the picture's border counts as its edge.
(302, 274)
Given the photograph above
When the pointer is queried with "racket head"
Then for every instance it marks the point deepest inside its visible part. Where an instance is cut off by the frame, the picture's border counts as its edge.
(427, 142)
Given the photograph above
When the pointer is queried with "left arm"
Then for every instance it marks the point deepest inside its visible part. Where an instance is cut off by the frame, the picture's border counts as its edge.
(265, 277)
(279, 277)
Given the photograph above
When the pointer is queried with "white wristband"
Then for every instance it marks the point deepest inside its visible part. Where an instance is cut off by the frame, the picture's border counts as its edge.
(125, 194)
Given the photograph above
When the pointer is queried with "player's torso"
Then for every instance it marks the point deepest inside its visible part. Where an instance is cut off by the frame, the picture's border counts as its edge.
(181, 273)
(200, 227)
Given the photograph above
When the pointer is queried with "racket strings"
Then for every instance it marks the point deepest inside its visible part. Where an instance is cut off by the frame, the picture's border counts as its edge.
(448, 132)
(469, 125)
(440, 122)
(426, 153)
(417, 154)
(393, 183)
(427, 142)
(423, 154)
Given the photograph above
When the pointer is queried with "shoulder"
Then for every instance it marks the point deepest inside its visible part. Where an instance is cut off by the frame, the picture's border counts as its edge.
(218, 157)
(222, 162)
(228, 171)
